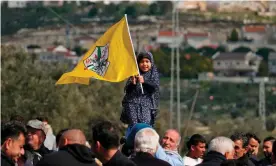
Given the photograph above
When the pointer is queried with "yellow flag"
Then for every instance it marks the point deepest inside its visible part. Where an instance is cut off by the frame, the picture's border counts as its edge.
(111, 58)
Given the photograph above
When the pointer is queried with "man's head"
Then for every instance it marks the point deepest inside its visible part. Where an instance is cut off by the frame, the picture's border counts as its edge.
(171, 140)
(222, 145)
(36, 133)
(196, 146)
(267, 146)
(146, 140)
(105, 137)
(72, 136)
(241, 143)
(59, 135)
(16, 117)
(274, 153)
(253, 145)
(13, 139)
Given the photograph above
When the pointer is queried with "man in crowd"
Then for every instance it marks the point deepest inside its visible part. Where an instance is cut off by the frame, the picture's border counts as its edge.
(267, 149)
(253, 147)
(72, 151)
(145, 146)
(12, 142)
(168, 151)
(220, 150)
(35, 149)
(196, 146)
(274, 153)
(241, 148)
(105, 145)
(50, 141)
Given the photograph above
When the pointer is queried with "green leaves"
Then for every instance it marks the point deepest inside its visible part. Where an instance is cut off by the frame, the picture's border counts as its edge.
(29, 89)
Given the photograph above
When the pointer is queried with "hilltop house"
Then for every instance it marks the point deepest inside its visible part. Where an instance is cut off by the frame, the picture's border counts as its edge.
(236, 64)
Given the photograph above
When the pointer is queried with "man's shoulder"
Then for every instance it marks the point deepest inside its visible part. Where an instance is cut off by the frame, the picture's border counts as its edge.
(174, 155)
(162, 162)
(264, 161)
(120, 159)
(191, 161)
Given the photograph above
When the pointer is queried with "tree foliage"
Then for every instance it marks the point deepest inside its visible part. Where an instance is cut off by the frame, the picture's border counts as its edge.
(28, 89)
(234, 36)
(264, 52)
(242, 49)
(191, 63)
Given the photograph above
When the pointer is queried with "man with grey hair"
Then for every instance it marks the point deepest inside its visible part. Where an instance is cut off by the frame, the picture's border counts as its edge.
(145, 146)
(168, 151)
(220, 150)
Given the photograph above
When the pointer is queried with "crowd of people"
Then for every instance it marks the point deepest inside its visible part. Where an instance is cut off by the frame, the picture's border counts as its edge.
(34, 144)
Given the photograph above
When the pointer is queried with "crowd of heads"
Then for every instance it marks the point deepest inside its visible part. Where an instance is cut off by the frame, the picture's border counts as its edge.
(17, 138)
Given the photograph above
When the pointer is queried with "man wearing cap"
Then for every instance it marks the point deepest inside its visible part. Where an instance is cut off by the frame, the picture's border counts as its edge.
(35, 148)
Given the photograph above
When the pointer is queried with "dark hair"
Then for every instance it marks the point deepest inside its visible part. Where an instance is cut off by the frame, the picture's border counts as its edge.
(271, 139)
(16, 117)
(106, 133)
(194, 140)
(274, 149)
(242, 137)
(59, 134)
(251, 135)
(42, 119)
(12, 129)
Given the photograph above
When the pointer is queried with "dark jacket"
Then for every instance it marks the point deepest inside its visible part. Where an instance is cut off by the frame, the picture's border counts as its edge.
(212, 159)
(6, 161)
(247, 161)
(70, 155)
(265, 161)
(119, 160)
(146, 159)
(33, 156)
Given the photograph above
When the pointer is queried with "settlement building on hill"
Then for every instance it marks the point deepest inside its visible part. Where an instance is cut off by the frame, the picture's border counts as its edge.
(236, 64)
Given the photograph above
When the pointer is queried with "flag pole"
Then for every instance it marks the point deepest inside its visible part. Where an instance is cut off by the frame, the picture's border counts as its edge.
(134, 52)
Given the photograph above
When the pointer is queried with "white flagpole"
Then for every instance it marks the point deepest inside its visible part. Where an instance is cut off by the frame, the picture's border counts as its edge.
(134, 52)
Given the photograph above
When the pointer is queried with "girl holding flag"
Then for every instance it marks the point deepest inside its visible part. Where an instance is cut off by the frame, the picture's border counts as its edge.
(139, 107)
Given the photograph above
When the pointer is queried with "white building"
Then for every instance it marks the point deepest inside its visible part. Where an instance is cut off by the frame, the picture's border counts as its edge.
(233, 64)
(169, 38)
(17, 4)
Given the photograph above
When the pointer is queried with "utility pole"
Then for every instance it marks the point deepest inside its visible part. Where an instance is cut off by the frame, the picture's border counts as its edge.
(67, 33)
(262, 110)
(172, 67)
(178, 73)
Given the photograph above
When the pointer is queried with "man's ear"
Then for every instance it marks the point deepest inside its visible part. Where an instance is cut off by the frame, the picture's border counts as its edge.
(246, 149)
(66, 141)
(7, 144)
(98, 144)
(192, 147)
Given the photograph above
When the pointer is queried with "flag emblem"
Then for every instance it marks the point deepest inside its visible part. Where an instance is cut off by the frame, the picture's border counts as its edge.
(98, 60)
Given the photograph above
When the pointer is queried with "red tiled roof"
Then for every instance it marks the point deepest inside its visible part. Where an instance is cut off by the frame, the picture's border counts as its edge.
(255, 28)
(193, 34)
(51, 48)
(167, 33)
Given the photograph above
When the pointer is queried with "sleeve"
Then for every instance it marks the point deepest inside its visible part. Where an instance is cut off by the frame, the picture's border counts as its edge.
(129, 86)
(171, 159)
(160, 154)
(43, 162)
(152, 84)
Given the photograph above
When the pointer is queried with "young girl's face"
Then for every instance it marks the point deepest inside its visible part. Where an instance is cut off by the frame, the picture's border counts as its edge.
(145, 65)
